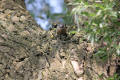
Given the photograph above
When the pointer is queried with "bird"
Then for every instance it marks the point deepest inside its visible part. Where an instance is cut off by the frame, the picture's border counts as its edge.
(61, 30)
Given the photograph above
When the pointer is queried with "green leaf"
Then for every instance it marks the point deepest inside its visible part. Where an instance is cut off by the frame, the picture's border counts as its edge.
(72, 32)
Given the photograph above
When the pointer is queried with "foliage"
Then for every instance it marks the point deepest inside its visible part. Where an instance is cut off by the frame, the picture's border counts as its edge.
(115, 77)
(101, 23)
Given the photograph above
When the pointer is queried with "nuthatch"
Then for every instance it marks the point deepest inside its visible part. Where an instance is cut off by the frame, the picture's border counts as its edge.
(61, 29)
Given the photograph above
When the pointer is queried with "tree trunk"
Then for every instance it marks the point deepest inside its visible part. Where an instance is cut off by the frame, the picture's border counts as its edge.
(21, 56)
(29, 53)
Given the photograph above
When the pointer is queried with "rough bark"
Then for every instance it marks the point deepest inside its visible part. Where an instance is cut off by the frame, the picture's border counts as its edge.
(29, 53)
